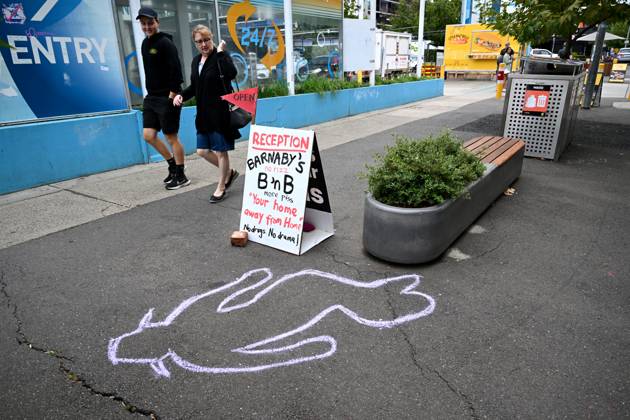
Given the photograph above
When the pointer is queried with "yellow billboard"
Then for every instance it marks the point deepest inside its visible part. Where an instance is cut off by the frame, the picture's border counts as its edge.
(474, 48)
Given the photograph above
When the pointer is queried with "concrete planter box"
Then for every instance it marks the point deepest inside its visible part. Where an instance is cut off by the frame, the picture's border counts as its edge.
(419, 235)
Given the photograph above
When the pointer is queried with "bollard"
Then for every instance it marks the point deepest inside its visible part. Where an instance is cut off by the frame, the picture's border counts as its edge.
(500, 80)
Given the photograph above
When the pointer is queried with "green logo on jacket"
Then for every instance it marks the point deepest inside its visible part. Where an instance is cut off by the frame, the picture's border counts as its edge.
(152, 51)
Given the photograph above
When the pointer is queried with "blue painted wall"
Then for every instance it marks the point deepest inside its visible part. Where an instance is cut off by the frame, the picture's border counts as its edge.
(47, 152)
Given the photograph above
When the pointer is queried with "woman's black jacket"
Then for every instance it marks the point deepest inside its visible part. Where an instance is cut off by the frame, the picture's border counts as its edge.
(213, 113)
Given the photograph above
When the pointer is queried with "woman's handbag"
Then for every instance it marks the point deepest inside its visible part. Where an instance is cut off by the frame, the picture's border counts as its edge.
(239, 118)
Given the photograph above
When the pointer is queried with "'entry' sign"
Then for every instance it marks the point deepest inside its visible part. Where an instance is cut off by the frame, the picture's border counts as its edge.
(285, 200)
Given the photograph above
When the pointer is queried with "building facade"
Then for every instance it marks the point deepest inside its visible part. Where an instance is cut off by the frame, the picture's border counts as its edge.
(253, 31)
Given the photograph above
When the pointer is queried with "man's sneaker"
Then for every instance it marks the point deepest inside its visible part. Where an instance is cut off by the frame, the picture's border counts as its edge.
(169, 178)
(177, 183)
(233, 176)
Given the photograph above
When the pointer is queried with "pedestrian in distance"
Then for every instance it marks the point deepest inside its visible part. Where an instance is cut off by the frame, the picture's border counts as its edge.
(164, 78)
(508, 58)
(210, 77)
(501, 55)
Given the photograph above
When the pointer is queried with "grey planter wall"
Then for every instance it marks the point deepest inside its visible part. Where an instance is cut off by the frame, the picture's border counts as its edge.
(412, 236)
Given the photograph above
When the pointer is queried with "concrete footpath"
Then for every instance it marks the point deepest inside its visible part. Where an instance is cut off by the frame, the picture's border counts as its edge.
(530, 315)
(43, 210)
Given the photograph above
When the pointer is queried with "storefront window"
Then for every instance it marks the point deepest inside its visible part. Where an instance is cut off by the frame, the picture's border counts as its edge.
(316, 34)
(130, 61)
(256, 46)
(193, 13)
(257, 51)
(167, 12)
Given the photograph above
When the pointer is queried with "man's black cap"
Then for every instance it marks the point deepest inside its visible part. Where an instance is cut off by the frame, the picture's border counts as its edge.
(148, 12)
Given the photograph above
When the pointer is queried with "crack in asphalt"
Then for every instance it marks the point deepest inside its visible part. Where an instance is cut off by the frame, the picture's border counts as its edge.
(412, 350)
(22, 339)
(423, 370)
(93, 197)
(73, 377)
(483, 254)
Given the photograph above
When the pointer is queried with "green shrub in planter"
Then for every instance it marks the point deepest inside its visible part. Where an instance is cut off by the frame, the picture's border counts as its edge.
(420, 173)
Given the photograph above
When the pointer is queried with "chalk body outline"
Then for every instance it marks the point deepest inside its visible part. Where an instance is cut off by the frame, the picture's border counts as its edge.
(157, 364)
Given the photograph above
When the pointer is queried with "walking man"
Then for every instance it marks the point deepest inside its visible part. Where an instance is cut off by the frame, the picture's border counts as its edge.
(163, 81)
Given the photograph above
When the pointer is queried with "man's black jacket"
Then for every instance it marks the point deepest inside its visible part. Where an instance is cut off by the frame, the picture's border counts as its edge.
(162, 68)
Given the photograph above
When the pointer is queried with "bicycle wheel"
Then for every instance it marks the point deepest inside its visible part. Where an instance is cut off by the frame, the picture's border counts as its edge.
(241, 68)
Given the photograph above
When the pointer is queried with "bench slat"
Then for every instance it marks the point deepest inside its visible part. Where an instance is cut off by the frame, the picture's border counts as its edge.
(494, 149)
(487, 143)
(489, 158)
(514, 149)
(485, 149)
(472, 143)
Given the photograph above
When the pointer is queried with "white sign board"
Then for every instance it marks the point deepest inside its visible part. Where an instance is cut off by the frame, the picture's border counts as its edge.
(358, 43)
(285, 200)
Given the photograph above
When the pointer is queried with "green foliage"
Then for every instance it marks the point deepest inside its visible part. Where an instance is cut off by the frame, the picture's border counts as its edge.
(437, 14)
(420, 173)
(405, 78)
(536, 21)
(322, 85)
(618, 28)
(276, 88)
(351, 8)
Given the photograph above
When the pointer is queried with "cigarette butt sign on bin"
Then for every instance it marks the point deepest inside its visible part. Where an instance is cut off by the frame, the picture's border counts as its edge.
(536, 100)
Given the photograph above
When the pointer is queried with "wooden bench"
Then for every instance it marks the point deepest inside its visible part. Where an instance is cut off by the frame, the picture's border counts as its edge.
(494, 149)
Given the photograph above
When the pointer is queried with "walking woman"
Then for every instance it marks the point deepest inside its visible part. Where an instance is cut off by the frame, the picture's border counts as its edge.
(210, 78)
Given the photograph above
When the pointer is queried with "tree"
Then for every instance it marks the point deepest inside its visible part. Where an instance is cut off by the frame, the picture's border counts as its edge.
(618, 28)
(438, 14)
(351, 8)
(535, 21)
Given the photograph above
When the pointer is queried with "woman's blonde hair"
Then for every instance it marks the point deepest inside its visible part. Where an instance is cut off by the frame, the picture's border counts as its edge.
(205, 32)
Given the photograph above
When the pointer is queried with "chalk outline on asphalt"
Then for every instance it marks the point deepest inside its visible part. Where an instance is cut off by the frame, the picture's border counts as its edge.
(157, 364)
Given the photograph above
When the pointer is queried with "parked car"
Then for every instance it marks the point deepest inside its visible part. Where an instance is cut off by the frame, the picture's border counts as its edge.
(541, 52)
(262, 72)
(623, 56)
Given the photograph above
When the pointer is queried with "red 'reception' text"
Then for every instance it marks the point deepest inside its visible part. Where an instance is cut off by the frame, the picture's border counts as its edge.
(280, 142)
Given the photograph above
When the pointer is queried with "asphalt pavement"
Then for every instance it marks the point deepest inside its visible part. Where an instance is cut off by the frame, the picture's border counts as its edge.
(120, 299)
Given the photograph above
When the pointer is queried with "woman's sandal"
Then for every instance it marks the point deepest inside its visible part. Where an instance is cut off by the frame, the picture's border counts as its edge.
(215, 199)
(233, 175)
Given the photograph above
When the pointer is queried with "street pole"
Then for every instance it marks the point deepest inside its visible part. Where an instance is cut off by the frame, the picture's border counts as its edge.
(592, 70)
(288, 45)
(420, 39)
(373, 20)
(625, 43)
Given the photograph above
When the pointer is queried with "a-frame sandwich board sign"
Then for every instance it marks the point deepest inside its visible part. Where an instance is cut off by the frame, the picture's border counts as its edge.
(285, 190)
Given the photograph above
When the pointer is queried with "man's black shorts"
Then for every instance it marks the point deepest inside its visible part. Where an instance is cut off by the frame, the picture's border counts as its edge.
(160, 114)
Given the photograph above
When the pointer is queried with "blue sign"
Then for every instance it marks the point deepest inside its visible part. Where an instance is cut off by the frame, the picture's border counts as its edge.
(62, 60)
